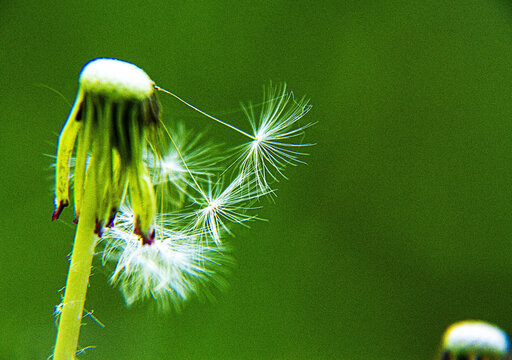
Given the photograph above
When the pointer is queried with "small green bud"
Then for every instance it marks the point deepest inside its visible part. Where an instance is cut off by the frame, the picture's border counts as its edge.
(475, 340)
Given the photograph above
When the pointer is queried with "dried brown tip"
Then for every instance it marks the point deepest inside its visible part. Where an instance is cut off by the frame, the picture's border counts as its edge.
(59, 209)
(98, 230)
(150, 239)
(112, 218)
(147, 239)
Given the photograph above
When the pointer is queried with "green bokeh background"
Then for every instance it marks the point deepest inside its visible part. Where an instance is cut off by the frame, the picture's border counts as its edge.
(400, 224)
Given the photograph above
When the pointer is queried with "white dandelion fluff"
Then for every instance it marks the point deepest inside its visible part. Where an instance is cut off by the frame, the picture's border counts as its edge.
(275, 135)
(188, 251)
(170, 270)
(188, 160)
(189, 155)
(222, 206)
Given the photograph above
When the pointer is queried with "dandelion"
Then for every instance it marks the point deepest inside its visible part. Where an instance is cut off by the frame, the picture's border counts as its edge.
(475, 340)
(114, 117)
(159, 201)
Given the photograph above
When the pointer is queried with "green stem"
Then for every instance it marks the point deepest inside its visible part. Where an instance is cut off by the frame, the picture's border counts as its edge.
(79, 271)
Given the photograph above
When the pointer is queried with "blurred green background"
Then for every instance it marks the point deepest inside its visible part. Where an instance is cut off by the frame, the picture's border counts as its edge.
(400, 225)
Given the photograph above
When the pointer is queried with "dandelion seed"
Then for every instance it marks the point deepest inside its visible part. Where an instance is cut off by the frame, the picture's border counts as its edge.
(188, 157)
(223, 205)
(274, 134)
(275, 137)
(173, 268)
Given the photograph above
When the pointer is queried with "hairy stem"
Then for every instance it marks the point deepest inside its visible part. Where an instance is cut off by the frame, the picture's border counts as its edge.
(79, 271)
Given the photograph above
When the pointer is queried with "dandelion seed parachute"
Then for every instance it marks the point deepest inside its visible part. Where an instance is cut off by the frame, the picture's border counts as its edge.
(224, 205)
(189, 158)
(274, 134)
